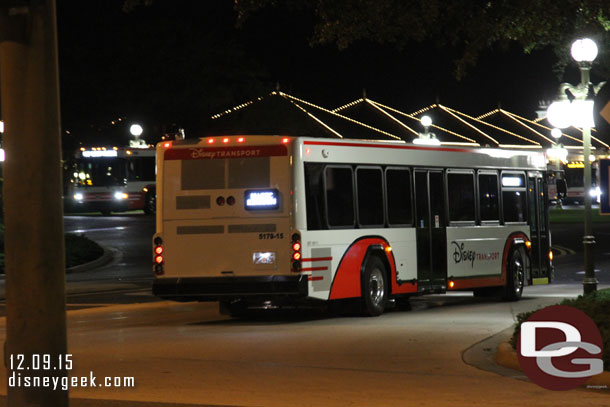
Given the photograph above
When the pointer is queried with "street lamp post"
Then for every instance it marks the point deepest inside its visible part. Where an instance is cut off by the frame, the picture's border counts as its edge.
(578, 112)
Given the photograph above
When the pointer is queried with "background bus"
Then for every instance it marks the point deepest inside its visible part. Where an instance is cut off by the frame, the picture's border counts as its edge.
(575, 179)
(110, 180)
(250, 220)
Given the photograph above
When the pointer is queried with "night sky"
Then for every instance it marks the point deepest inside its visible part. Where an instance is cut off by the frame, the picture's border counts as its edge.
(178, 62)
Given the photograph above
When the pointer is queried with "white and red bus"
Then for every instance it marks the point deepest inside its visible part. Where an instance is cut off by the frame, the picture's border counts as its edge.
(251, 220)
(110, 180)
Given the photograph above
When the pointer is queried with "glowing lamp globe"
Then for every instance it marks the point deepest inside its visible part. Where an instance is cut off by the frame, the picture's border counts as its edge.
(426, 121)
(584, 50)
(559, 114)
(136, 130)
(556, 133)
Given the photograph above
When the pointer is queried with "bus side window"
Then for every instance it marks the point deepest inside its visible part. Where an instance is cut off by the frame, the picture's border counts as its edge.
(514, 197)
(461, 197)
(370, 196)
(339, 183)
(488, 197)
(314, 196)
(398, 187)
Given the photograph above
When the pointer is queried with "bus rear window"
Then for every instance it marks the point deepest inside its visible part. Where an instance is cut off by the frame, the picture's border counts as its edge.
(202, 174)
(210, 174)
(249, 173)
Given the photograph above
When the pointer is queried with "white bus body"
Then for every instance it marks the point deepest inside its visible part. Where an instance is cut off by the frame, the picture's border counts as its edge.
(264, 218)
(110, 180)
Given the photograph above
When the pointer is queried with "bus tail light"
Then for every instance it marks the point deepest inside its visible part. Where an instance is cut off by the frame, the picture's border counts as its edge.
(296, 253)
(158, 256)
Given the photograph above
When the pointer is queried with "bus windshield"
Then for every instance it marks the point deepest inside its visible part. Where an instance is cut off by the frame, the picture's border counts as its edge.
(99, 172)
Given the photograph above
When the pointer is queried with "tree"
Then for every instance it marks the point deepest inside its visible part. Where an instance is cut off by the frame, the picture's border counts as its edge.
(471, 26)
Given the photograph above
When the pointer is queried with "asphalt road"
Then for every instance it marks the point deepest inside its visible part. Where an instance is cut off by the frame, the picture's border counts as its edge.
(188, 353)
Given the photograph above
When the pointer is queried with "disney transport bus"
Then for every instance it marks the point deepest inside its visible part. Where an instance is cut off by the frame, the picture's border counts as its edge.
(251, 220)
(109, 180)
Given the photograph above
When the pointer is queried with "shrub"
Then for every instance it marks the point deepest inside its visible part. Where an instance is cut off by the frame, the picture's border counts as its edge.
(596, 305)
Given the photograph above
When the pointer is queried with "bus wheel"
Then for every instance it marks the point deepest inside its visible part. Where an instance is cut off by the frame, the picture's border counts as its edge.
(515, 275)
(235, 309)
(374, 287)
(150, 204)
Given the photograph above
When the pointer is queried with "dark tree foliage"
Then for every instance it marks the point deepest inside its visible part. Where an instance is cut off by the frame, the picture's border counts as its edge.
(468, 25)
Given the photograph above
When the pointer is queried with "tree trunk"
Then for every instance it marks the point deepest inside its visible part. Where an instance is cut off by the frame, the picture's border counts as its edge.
(34, 241)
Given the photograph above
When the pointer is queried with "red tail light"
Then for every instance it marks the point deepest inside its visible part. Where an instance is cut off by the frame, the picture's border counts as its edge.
(157, 256)
(296, 252)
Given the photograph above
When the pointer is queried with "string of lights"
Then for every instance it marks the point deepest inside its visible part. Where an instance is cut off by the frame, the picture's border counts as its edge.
(394, 119)
(519, 122)
(340, 116)
(493, 126)
(350, 104)
(470, 125)
(435, 126)
(317, 120)
(539, 119)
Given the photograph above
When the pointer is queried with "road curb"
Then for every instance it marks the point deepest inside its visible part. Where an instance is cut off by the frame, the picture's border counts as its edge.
(104, 259)
(506, 356)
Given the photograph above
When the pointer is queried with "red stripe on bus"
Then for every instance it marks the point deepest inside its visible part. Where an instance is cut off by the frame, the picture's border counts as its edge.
(316, 278)
(317, 259)
(347, 282)
(217, 153)
(507, 246)
(314, 268)
(330, 143)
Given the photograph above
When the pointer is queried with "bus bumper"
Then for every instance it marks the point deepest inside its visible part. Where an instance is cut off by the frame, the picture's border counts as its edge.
(228, 288)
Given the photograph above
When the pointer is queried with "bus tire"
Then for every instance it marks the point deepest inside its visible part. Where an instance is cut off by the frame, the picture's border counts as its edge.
(485, 292)
(374, 287)
(515, 274)
(235, 309)
(150, 204)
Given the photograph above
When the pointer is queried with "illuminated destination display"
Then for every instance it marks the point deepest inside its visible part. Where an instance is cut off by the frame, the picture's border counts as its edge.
(100, 153)
(266, 199)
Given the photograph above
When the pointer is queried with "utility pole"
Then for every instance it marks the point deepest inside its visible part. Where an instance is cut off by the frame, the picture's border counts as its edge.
(33, 213)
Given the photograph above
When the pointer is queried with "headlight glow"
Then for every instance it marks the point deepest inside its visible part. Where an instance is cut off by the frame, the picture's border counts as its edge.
(120, 195)
(78, 196)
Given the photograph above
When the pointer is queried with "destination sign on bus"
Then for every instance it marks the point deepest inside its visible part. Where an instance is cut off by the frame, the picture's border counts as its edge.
(262, 199)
